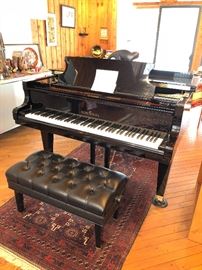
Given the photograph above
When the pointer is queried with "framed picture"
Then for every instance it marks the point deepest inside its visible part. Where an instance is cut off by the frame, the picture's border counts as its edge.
(103, 33)
(68, 16)
(51, 30)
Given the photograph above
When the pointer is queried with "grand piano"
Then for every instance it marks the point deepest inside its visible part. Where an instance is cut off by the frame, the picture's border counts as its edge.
(129, 116)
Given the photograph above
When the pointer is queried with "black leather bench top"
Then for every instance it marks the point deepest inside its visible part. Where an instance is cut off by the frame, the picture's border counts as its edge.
(80, 184)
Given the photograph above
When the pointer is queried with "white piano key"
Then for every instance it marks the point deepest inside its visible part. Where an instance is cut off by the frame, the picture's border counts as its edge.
(141, 136)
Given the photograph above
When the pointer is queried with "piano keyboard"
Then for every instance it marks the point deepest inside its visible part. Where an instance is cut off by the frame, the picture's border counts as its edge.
(134, 135)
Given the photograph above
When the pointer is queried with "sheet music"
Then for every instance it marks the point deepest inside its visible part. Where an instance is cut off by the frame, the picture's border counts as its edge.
(105, 80)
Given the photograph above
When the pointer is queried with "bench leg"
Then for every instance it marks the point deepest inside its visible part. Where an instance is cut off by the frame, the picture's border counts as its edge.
(98, 230)
(19, 201)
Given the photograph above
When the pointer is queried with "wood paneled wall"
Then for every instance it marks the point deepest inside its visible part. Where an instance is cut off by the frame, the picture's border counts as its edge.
(91, 16)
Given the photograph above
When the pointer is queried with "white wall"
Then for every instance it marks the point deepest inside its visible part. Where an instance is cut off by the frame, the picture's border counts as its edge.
(124, 24)
(136, 29)
(15, 19)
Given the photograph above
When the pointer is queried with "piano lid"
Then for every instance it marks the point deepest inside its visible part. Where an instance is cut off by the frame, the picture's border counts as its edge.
(106, 75)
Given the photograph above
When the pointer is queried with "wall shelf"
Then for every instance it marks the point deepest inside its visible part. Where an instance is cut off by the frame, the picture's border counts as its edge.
(83, 34)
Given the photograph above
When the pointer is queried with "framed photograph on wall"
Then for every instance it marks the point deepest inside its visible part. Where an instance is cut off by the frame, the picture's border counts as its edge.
(51, 30)
(103, 33)
(68, 16)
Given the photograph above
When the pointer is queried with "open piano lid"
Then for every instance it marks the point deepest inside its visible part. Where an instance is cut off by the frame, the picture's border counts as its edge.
(106, 75)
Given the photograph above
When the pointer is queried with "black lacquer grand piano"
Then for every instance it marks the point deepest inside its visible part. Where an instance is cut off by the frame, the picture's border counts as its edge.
(129, 117)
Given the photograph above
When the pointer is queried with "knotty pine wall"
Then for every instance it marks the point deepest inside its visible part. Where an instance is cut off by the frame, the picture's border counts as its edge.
(91, 15)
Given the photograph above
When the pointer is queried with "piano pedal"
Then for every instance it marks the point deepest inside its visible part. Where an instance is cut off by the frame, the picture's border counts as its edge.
(159, 201)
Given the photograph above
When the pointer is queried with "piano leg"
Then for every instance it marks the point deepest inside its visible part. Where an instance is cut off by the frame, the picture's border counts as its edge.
(162, 178)
(47, 139)
(107, 157)
(92, 153)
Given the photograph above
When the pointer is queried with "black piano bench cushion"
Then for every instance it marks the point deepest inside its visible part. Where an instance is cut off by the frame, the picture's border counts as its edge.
(89, 191)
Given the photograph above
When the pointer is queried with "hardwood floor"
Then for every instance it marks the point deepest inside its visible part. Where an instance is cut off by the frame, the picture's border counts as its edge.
(162, 243)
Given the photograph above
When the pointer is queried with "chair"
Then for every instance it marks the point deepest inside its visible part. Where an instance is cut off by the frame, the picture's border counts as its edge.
(124, 55)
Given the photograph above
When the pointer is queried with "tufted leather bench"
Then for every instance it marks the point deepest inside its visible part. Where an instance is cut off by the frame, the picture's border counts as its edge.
(83, 189)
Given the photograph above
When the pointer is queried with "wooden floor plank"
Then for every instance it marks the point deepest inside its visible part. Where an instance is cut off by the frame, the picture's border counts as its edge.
(152, 260)
(189, 262)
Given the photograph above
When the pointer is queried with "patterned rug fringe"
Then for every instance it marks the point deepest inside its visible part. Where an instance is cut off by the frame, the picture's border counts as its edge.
(16, 260)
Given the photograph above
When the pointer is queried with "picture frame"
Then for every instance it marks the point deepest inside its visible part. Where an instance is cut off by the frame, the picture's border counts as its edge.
(68, 16)
(51, 30)
(103, 33)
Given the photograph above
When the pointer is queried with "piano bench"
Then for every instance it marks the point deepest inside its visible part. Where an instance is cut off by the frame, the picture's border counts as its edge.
(83, 189)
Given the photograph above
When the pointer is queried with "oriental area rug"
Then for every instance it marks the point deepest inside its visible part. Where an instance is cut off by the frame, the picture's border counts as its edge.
(52, 239)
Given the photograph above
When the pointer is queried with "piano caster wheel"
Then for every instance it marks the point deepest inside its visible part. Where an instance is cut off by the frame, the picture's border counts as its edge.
(159, 201)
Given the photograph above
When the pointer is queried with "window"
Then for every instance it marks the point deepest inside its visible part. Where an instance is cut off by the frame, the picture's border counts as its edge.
(176, 37)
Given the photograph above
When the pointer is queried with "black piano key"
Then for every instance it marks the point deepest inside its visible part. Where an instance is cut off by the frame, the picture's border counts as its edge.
(157, 136)
(94, 124)
(131, 132)
(99, 122)
(47, 114)
(43, 113)
(128, 131)
(69, 118)
(136, 132)
(83, 118)
(77, 120)
(38, 112)
(122, 130)
(88, 121)
(103, 125)
(54, 116)
(63, 116)
(114, 128)
(153, 136)
(109, 127)
(140, 133)
(66, 118)
(150, 135)
(84, 122)
(90, 124)
(144, 133)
